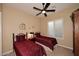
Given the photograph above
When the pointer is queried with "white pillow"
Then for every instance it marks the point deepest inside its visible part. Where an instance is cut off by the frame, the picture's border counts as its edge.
(29, 36)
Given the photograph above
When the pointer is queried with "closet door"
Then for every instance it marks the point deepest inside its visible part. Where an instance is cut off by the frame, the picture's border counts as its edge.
(0, 36)
(76, 33)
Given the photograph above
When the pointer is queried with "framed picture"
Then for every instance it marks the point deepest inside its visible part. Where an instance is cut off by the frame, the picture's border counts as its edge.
(22, 26)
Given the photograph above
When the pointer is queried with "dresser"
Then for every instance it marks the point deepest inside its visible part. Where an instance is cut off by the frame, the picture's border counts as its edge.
(75, 19)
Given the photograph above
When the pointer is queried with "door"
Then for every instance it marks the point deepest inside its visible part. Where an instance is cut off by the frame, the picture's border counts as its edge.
(0, 37)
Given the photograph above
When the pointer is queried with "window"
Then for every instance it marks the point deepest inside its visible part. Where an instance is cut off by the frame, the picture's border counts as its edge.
(56, 28)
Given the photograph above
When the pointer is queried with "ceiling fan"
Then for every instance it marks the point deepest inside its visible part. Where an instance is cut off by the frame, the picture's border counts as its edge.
(44, 10)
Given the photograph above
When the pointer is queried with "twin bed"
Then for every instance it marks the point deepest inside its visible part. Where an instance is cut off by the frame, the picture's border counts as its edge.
(25, 47)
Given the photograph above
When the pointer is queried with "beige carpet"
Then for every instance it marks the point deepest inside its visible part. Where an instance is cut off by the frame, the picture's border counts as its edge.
(58, 51)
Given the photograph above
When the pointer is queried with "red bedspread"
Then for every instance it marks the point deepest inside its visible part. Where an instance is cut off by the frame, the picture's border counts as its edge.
(28, 48)
(47, 41)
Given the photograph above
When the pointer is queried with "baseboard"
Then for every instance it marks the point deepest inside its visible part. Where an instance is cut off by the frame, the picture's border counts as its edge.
(5, 53)
(65, 47)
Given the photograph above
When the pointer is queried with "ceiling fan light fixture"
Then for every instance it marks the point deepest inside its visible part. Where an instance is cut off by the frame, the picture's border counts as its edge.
(43, 12)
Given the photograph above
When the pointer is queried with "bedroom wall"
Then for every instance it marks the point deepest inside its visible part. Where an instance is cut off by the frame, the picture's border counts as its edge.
(67, 40)
(11, 19)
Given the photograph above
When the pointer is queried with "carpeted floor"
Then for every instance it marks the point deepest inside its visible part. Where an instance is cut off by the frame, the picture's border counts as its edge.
(58, 51)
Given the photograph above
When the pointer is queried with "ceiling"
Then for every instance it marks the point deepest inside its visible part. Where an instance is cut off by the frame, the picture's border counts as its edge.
(28, 7)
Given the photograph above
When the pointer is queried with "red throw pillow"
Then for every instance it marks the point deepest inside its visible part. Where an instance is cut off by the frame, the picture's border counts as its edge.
(20, 37)
(37, 34)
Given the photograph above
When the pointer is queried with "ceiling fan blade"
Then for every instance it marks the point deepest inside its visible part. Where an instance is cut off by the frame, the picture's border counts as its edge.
(38, 14)
(43, 4)
(45, 14)
(46, 6)
(50, 10)
(37, 8)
